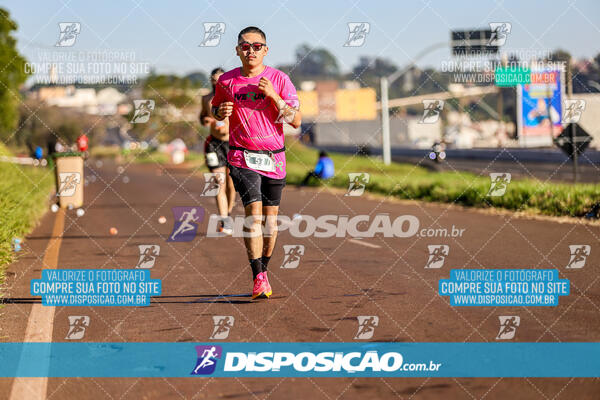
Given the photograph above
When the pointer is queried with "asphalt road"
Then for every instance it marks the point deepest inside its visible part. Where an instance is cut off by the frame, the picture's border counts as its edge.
(336, 280)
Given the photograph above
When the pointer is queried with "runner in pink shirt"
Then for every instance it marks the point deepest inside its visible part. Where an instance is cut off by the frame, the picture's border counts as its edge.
(258, 100)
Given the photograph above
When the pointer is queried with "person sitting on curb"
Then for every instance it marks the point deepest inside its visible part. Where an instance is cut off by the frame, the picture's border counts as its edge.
(323, 170)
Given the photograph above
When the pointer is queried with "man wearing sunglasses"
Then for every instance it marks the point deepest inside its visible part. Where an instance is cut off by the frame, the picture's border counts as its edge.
(258, 100)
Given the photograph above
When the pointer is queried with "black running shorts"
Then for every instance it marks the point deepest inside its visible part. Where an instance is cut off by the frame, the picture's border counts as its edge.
(253, 186)
(215, 152)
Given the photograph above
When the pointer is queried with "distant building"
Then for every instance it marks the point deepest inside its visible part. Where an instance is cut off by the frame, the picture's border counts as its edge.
(590, 117)
(326, 95)
(338, 113)
(108, 101)
(328, 101)
(50, 92)
(405, 132)
(104, 102)
(76, 98)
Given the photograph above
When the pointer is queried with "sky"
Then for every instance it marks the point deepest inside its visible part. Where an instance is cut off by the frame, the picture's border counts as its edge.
(167, 34)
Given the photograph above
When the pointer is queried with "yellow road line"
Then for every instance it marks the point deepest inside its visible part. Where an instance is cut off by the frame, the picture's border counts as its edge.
(41, 319)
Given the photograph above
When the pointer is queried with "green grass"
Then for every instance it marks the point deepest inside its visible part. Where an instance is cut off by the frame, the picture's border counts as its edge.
(104, 151)
(406, 181)
(24, 195)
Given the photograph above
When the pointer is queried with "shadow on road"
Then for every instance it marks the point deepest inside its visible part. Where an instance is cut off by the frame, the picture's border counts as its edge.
(195, 298)
(20, 300)
(204, 298)
(94, 237)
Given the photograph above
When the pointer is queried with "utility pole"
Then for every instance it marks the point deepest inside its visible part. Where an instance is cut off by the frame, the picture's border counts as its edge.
(385, 122)
(500, 103)
(573, 125)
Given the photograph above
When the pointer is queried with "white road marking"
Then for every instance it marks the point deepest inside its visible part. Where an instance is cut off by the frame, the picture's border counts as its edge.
(40, 323)
(367, 244)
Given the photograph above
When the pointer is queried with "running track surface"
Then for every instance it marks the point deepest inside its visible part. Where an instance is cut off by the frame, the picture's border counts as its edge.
(336, 281)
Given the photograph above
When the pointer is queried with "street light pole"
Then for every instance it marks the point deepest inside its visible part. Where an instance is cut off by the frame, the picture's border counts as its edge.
(385, 122)
(385, 112)
(573, 124)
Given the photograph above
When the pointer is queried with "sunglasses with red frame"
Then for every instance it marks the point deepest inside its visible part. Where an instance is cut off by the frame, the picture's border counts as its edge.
(256, 46)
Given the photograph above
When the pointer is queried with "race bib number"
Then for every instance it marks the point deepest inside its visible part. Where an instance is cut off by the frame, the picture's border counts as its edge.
(212, 160)
(261, 162)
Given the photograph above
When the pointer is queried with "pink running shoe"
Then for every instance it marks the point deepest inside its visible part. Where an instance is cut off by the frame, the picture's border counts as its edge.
(268, 290)
(261, 286)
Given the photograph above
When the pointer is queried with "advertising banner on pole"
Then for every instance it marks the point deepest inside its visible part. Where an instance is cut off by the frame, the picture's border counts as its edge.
(539, 107)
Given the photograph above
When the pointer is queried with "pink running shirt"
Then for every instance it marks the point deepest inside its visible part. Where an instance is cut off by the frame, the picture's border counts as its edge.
(252, 123)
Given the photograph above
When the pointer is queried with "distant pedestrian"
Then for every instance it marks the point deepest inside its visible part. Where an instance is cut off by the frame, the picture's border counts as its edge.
(323, 170)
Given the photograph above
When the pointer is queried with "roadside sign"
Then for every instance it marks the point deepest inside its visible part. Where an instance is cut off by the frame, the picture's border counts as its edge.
(582, 140)
(539, 107)
(473, 41)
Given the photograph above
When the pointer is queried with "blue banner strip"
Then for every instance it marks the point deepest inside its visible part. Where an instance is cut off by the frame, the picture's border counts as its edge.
(333, 359)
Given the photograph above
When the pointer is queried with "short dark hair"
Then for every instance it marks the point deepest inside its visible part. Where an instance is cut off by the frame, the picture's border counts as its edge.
(322, 154)
(252, 29)
(216, 71)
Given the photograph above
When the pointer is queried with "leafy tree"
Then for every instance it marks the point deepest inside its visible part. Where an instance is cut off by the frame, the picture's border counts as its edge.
(369, 71)
(51, 123)
(560, 55)
(586, 76)
(198, 79)
(585, 73)
(376, 67)
(312, 64)
(12, 75)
